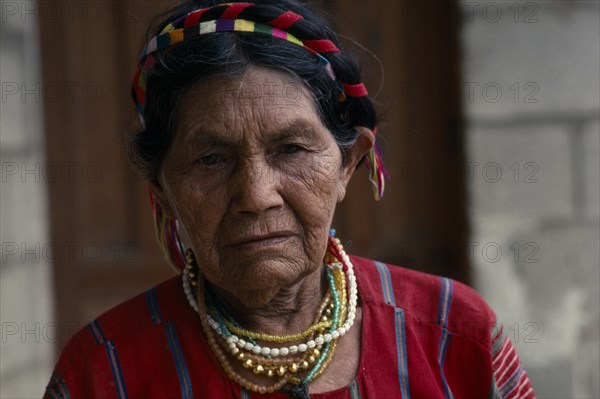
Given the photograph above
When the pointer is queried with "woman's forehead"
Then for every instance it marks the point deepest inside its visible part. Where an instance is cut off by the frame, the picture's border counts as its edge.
(262, 98)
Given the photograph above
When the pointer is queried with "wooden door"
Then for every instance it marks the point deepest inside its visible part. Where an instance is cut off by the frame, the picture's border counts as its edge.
(101, 222)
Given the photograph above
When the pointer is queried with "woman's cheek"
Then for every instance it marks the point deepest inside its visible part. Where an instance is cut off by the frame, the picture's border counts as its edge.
(316, 172)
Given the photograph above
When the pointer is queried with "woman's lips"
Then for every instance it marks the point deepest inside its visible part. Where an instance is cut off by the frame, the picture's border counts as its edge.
(261, 241)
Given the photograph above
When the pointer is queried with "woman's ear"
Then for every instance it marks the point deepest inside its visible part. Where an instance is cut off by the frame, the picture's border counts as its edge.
(159, 193)
(365, 141)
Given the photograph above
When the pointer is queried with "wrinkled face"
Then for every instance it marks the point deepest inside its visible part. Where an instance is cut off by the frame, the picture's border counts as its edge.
(253, 177)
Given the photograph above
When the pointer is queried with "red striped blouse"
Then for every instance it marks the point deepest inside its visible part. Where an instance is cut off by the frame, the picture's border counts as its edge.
(422, 337)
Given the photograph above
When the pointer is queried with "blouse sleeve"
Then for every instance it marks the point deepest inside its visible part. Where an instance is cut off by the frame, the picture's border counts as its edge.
(70, 375)
(510, 379)
(57, 388)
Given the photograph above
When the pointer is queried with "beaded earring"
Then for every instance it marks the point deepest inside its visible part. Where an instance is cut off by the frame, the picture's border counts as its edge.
(192, 267)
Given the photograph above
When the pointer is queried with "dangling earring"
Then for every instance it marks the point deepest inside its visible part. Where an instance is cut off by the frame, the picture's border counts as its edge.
(192, 266)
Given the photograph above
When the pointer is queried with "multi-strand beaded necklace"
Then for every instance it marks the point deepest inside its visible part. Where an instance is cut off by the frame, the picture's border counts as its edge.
(287, 361)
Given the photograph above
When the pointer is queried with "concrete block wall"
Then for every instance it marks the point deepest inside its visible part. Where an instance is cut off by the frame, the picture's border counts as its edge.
(26, 308)
(531, 96)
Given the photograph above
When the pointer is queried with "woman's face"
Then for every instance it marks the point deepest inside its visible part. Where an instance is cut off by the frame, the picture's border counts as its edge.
(253, 177)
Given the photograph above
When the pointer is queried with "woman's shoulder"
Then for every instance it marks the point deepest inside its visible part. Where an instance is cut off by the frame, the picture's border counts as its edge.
(131, 318)
(425, 298)
(145, 310)
(116, 343)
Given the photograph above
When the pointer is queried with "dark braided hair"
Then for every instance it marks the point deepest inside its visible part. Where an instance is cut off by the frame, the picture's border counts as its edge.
(183, 65)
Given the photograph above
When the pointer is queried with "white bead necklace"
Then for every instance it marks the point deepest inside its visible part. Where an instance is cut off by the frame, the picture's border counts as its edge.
(234, 342)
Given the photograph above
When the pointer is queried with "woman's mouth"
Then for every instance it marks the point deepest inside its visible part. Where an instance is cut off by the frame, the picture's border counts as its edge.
(264, 241)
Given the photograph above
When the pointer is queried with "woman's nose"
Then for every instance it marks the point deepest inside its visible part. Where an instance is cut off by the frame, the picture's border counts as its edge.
(255, 187)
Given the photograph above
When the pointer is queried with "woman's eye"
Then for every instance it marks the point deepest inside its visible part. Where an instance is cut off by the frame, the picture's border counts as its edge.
(210, 160)
(291, 149)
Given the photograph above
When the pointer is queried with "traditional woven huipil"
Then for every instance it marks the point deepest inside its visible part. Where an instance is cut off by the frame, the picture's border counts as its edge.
(422, 337)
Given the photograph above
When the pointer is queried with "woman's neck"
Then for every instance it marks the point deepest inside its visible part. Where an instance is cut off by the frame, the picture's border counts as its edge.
(289, 310)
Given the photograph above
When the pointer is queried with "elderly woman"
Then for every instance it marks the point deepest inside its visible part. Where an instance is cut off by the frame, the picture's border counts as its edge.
(253, 123)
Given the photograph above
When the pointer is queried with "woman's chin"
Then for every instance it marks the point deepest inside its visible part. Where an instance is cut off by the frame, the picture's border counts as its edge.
(265, 270)
(256, 282)
(256, 299)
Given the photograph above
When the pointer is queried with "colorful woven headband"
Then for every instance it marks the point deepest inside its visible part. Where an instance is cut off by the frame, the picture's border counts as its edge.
(192, 25)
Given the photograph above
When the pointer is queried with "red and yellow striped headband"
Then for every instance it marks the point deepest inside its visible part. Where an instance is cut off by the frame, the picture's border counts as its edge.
(190, 26)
